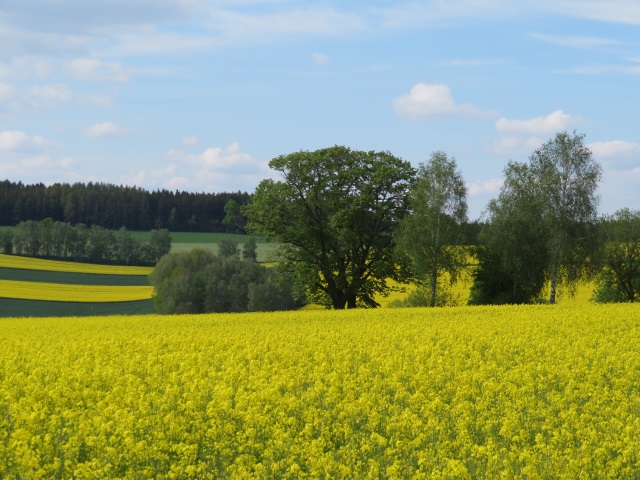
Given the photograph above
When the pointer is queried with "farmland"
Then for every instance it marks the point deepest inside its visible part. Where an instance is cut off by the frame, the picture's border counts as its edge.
(468, 392)
(37, 287)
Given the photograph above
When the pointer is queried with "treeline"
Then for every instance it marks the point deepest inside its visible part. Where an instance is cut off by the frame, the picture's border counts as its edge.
(112, 206)
(199, 281)
(348, 221)
(79, 243)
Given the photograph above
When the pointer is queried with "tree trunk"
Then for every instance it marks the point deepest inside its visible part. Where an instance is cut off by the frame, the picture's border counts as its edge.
(554, 286)
(434, 287)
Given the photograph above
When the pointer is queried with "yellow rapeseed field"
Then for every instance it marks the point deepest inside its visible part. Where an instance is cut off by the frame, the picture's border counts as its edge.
(59, 292)
(465, 392)
(14, 261)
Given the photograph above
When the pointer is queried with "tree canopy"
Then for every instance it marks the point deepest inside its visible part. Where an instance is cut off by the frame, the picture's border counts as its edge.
(542, 225)
(432, 233)
(334, 212)
(619, 279)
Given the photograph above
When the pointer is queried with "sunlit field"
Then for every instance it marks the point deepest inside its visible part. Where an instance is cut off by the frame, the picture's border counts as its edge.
(28, 263)
(37, 287)
(469, 392)
(73, 293)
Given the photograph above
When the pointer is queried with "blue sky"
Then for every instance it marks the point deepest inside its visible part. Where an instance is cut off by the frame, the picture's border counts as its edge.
(199, 95)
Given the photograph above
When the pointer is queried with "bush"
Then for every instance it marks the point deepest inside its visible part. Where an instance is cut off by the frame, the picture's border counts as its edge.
(199, 282)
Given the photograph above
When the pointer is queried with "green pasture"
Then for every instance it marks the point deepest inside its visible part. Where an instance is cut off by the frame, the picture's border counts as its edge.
(71, 278)
(11, 307)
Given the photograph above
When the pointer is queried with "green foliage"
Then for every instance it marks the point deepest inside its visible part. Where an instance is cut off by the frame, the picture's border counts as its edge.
(159, 244)
(250, 250)
(199, 281)
(228, 248)
(619, 279)
(233, 220)
(423, 296)
(496, 283)
(432, 233)
(541, 226)
(6, 241)
(114, 206)
(564, 178)
(58, 240)
(334, 214)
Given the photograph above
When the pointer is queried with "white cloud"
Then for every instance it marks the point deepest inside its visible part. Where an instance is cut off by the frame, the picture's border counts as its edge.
(105, 129)
(53, 93)
(17, 141)
(98, 101)
(314, 20)
(190, 141)
(6, 91)
(554, 122)
(481, 187)
(320, 58)
(213, 169)
(134, 178)
(524, 136)
(61, 93)
(215, 158)
(22, 67)
(93, 70)
(616, 152)
(473, 62)
(616, 11)
(33, 168)
(575, 41)
(440, 12)
(427, 100)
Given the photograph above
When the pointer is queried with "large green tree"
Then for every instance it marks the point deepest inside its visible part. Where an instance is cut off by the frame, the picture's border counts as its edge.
(542, 223)
(334, 212)
(513, 254)
(619, 279)
(566, 176)
(431, 235)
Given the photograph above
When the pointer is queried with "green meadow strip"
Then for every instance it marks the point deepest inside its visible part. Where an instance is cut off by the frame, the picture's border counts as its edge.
(10, 307)
(71, 278)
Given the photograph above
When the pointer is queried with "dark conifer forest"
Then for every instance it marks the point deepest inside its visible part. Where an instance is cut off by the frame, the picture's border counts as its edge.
(115, 206)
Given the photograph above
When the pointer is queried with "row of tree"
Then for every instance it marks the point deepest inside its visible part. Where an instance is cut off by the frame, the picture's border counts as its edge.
(113, 207)
(350, 220)
(199, 281)
(63, 241)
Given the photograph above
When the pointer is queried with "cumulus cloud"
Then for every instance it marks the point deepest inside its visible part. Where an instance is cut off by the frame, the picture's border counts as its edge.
(213, 169)
(616, 149)
(61, 93)
(105, 129)
(93, 70)
(554, 122)
(24, 66)
(481, 187)
(190, 141)
(17, 141)
(428, 100)
(212, 158)
(320, 58)
(53, 93)
(524, 136)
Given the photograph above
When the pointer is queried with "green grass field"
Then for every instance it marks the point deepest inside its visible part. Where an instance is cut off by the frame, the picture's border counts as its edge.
(71, 278)
(12, 307)
(55, 273)
(186, 241)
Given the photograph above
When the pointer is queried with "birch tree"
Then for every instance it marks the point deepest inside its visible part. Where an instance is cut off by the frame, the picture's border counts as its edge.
(432, 233)
(565, 178)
